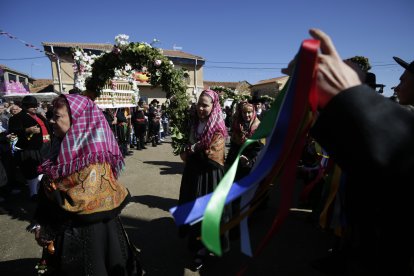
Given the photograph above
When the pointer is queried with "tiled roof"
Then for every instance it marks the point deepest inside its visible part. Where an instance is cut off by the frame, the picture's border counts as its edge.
(272, 80)
(42, 85)
(40, 82)
(4, 67)
(180, 54)
(42, 88)
(108, 47)
(89, 46)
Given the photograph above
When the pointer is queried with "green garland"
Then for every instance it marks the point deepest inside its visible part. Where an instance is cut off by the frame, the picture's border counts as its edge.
(228, 93)
(162, 73)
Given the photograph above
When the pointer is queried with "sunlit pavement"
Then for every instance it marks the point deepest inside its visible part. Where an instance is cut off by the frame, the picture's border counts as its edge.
(153, 178)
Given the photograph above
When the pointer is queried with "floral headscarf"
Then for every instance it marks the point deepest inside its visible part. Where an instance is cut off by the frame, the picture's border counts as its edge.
(88, 141)
(215, 123)
(243, 130)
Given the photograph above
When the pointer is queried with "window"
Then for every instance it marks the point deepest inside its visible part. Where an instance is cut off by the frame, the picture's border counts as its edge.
(22, 80)
(12, 77)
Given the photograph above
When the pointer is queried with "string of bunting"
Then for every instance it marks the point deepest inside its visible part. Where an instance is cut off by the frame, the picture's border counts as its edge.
(285, 127)
(27, 44)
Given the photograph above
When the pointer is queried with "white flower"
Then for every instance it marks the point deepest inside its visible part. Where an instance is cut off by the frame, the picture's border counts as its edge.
(121, 40)
(157, 62)
(172, 63)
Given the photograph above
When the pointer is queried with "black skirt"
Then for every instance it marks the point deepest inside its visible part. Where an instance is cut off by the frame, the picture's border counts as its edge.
(29, 160)
(201, 176)
(95, 249)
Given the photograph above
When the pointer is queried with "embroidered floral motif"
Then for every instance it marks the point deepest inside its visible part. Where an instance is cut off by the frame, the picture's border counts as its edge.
(93, 189)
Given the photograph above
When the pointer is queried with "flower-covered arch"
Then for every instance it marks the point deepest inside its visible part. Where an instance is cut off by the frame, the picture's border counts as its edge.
(141, 61)
(228, 93)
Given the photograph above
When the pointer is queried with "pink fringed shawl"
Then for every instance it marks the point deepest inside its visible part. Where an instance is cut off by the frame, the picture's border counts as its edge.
(215, 123)
(88, 141)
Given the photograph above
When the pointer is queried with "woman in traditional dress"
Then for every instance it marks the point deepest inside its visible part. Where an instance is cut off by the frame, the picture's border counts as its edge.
(204, 161)
(245, 123)
(80, 199)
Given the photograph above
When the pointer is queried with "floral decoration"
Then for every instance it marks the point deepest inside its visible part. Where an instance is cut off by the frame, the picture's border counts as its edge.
(41, 267)
(82, 67)
(126, 60)
(228, 93)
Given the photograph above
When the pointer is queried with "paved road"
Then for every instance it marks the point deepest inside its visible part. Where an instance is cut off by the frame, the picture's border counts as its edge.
(153, 177)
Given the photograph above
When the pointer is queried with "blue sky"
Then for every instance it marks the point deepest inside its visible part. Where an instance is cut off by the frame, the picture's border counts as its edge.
(248, 34)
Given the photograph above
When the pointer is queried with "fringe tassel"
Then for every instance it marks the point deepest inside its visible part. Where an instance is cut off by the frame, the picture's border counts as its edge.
(63, 170)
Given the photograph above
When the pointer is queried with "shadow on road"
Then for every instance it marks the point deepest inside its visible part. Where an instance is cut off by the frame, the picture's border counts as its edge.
(155, 201)
(20, 267)
(162, 253)
(18, 206)
(167, 167)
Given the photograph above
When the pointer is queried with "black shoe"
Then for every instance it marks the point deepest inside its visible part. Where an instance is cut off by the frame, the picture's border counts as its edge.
(334, 263)
(198, 264)
(144, 147)
(200, 258)
(139, 148)
(34, 198)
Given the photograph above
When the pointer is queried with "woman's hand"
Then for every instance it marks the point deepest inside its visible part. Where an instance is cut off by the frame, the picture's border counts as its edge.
(183, 156)
(244, 161)
(38, 237)
(194, 147)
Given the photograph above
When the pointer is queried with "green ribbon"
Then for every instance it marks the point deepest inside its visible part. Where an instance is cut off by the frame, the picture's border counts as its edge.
(210, 227)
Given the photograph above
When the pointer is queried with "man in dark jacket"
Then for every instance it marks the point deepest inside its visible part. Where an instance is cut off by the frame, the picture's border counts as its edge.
(33, 134)
(140, 125)
(154, 118)
(371, 138)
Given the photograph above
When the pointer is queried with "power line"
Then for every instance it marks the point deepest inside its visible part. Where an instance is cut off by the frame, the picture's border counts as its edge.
(22, 58)
(274, 68)
(27, 44)
(378, 65)
(239, 62)
(248, 68)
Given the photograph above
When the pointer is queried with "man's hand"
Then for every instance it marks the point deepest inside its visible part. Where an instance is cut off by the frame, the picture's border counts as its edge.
(334, 75)
(33, 129)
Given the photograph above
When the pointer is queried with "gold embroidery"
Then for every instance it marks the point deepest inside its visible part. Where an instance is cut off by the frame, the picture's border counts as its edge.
(93, 189)
(216, 150)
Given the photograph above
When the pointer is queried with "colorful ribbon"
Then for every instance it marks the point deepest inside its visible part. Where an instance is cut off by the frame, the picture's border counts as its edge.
(333, 182)
(287, 123)
(323, 163)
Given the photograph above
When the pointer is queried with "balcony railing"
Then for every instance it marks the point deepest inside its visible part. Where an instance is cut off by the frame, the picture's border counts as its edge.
(13, 87)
